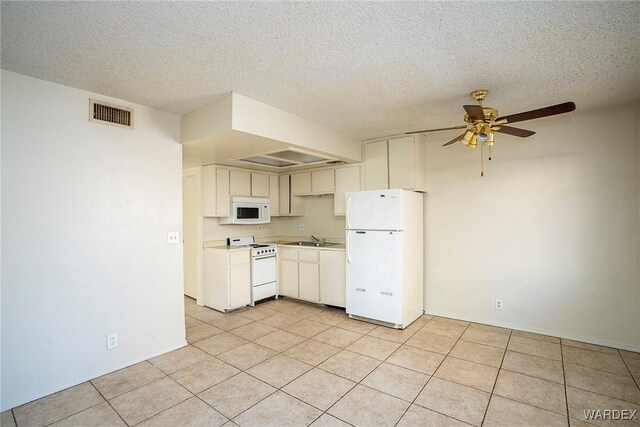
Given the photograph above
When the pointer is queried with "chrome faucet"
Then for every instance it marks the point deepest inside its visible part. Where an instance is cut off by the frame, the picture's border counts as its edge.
(316, 240)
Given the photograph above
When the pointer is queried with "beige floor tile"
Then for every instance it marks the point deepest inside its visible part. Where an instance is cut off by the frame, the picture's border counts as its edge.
(476, 375)
(629, 355)
(307, 328)
(319, 388)
(421, 321)
(253, 331)
(219, 344)
(419, 416)
(7, 419)
(350, 365)
(587, 346)
(279, 305)
(363, 406)
(485, 337)
(281, 320)
(255, 313)
(124, 380)
(203, 375)
(305, 310)
(279, 409)
(279, 370)
(280, 340)
(535, 348)
(312, 352)
(502, 412)
(337, 337)
(57, 406)
(580, 401)
(247, 355)
(330, 317)
(479, 353)
(148, 400)
(489, 328)
(207, 315)
(452, 321)
(190, 322)
(179, 359)
(327, 420)
(577, 423)
(99, 415)
(534, 366)
(532, 391)
(396, 381)
(618, 386)
(390, 334)
(432, 342)
(373, 347)
(594, 359)
(445, 328)
(192, 309)
(190, 413)
(463, 403)
(533, 336)
(416, 359)
(356, 326)
(237, 394)
(230, 321)
(201, 332)
(189, 301)
(634, 367)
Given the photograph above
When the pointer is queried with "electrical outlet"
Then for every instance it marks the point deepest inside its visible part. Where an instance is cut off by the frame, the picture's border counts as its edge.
(259, 228)
(300, 227)
(173, 237)
(112, 341)
(498, 304)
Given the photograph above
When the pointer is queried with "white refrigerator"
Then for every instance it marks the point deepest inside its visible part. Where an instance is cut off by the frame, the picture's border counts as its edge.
(385, 264)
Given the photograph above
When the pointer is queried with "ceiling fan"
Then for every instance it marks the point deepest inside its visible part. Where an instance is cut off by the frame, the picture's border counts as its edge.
(483, 122)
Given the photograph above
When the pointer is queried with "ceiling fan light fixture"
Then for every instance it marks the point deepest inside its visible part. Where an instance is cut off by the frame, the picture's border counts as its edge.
(468, 135)
(474, 141)
(484, 132)
(489, 140)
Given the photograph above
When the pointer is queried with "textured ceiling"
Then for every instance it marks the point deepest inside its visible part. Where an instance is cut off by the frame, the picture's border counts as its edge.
(367, 69)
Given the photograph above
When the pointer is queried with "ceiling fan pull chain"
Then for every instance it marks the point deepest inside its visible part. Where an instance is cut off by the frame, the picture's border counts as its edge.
(481, 160)
(489, 152)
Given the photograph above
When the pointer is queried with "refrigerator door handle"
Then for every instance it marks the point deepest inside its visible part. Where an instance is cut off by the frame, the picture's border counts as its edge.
(348, 247)
(348, 219)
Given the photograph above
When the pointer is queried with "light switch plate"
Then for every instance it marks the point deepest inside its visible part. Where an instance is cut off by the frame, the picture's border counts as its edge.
(173, 237)
(112, 341)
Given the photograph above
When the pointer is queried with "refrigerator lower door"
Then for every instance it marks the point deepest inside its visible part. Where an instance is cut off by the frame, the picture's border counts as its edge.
(374, 275)
(375, 210)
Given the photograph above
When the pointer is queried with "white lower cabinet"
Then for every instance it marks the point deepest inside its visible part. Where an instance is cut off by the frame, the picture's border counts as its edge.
(227, 278)
(333, 278)
(313, 275)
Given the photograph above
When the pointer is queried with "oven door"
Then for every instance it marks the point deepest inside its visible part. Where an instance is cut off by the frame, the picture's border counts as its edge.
(263, 270)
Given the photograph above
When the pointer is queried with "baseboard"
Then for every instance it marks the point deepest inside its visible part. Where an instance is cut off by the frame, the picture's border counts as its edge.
(21, 400)
(554, 333)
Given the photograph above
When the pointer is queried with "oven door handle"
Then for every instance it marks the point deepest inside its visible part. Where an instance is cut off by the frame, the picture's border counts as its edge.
(264, 257)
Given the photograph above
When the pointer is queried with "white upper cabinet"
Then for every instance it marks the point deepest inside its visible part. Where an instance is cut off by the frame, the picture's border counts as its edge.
(376, 163)
(259, 185)
(301, 183)
(215, 191)
(347, 179)
(396, 163)
(323, 182)
(240, 183)
(274, 194)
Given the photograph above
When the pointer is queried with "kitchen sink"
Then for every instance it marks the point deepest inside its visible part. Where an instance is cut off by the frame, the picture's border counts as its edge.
(312, 244)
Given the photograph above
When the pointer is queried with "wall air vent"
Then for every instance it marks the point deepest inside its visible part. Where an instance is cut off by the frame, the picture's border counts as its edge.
(110, 114)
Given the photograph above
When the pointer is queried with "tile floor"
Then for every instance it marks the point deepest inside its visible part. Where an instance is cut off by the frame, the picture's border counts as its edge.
(284, 363)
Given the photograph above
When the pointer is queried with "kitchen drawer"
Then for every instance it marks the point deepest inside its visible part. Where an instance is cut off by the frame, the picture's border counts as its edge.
(239, 258)
(288, 253)
(311, 256)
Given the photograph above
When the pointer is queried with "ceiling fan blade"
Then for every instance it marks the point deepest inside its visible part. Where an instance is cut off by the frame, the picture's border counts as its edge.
(536, 114)
(475, 112)
(509, 130)
(436, 130)
(454, 140)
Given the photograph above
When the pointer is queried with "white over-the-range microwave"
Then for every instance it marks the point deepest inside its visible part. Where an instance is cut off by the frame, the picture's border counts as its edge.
(248, 210)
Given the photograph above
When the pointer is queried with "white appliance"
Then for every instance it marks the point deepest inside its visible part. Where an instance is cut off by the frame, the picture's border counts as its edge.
(263, 267)
(385, 256)
(248, 210)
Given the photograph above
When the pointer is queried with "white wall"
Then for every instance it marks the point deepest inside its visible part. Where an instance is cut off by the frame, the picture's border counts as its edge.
(552, 229)
(85, 212)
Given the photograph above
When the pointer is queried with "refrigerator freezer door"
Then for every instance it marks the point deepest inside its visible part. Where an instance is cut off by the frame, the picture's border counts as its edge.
(374, 210)
(374, 275)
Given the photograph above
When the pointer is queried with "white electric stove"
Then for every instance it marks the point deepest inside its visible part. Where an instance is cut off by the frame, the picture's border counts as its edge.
(263, 267)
